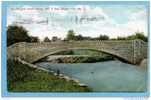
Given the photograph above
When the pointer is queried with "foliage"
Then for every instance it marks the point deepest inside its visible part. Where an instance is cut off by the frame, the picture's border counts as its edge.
(96, 59)
(71, 35)
(55, 38)
(34, 39)
(79, 37)
(103, 37)
(17, 34)
(88, 59)
(94, 56)
(137, 35)
(46, 39)
(22, 78)
(16, 71)
(121, 38)
(68, 52)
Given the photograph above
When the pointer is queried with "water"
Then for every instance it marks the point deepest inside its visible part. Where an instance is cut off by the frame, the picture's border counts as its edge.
(104, 76)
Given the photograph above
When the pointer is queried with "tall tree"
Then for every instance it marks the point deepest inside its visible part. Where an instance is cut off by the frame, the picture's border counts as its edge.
(17, 34)
(103, 37)
(71, 35)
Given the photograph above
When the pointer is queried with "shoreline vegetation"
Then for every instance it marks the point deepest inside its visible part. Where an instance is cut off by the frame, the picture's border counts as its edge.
(22, 78)
(88, 59)
(78, 56)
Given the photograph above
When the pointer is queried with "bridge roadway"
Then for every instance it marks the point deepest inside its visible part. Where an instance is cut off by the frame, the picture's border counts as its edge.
(132, 51)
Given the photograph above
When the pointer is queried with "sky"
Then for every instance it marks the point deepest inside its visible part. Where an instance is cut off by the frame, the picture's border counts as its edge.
(87, 20)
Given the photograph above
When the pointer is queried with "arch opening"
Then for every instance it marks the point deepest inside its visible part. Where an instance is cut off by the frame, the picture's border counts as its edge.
(71, 51)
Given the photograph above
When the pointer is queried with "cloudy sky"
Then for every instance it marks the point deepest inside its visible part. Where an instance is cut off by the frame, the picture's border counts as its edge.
(88, 20)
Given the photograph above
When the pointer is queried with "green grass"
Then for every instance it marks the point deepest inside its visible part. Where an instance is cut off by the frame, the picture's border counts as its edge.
(27, 79)
(95, 59)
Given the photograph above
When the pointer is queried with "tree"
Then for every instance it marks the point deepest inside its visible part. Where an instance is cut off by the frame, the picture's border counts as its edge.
(138, 35)
(71, 35)
(79, 37)
(121, 38)
(34, 39)
(17, 34)
(103, 37)
(55, 38)
(46, 39)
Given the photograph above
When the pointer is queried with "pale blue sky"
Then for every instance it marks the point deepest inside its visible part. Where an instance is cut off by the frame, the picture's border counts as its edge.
(112, 20)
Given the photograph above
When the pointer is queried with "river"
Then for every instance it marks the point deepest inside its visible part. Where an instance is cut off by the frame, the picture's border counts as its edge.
(104, 76)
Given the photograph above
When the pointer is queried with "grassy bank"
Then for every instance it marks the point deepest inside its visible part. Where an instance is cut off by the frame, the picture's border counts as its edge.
(22, 78)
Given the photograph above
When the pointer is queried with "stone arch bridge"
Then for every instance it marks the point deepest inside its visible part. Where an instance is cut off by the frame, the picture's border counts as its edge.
(132, 51)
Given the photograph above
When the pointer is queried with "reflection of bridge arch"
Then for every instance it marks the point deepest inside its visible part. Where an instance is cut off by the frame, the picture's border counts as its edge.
(130, 51)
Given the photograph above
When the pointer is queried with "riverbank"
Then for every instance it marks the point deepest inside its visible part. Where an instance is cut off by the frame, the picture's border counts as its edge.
(22, 78)
(108, 76)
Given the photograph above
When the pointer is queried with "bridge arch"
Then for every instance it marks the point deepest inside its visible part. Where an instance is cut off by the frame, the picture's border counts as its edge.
(121, 58)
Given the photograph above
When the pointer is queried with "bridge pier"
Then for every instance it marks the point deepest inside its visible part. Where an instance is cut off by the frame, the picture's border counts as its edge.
(139, 51)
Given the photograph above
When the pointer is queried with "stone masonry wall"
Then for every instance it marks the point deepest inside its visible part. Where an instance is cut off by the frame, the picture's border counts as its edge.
(131, 51)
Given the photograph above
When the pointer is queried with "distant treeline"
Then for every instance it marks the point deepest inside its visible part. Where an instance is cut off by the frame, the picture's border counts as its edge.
(138, 35)
(17, 33)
